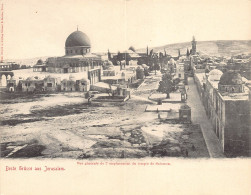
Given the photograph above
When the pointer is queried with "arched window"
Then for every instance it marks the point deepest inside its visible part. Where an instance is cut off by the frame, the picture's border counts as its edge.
(226, 89)
(232, 89)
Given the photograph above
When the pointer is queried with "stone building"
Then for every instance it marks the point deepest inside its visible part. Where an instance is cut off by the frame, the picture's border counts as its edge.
(83, 85)
(32, 84)
(40, 66)
(5, 66)
(12, 84)
(185, 113)
(69, 84)
(113, 76)
(52, 83)
(77, 59)
(109, 69)
(227, 105)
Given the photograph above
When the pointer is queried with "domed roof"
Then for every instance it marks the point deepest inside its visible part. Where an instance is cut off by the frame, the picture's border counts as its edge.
(77, 38)
(215, 75)
(231, 78)
(40, 62)
(132, 49)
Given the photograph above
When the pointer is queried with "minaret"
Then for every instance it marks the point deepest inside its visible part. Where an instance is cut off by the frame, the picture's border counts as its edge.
(77, 27)
(193, 46)
(109, 55)
(147, 50)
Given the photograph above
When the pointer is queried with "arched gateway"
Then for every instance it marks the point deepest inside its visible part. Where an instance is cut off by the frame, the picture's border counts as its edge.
(4, 75)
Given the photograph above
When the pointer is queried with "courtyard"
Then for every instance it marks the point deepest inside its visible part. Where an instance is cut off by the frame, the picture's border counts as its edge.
(64, 125)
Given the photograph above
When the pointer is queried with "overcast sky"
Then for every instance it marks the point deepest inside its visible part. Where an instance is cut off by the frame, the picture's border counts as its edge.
(34, 28)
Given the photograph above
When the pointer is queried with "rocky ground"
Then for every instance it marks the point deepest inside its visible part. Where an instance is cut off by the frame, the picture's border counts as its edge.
(64, 125)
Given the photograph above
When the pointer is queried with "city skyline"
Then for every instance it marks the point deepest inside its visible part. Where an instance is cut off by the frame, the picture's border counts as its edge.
(39, 29)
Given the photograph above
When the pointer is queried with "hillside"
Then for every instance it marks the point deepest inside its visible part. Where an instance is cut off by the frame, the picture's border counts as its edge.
(27, 61)
(216, 48)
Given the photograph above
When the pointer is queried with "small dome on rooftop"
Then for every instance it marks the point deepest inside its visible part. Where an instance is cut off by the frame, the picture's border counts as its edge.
(39, 62)
(215, 75)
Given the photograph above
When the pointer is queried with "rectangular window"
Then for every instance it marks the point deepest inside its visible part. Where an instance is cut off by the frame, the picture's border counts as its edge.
(49, 84)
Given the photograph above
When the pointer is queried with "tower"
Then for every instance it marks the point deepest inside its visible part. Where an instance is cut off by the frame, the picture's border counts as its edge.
(193, 46)
(109, 55)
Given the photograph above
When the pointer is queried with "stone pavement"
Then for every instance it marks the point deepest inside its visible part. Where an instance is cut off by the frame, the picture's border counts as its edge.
(199, 117)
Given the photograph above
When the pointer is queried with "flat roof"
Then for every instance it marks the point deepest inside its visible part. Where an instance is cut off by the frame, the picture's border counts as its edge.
(231, 96)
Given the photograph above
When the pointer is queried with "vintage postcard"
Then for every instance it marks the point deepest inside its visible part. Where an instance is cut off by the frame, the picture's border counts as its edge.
(125, 97)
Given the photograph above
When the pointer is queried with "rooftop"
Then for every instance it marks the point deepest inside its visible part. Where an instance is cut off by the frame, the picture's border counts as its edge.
(230, 96)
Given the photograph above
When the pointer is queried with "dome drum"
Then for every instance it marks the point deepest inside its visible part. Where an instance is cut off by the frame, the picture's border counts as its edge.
(231, 88)
(79, 50)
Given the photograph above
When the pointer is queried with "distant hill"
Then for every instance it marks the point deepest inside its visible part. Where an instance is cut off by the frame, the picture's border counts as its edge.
(215, 48)
(27, 61)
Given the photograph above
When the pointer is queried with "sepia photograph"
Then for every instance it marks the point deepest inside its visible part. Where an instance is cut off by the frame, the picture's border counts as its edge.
(113, 83)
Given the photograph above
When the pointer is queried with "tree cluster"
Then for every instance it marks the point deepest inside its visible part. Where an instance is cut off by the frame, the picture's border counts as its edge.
(166, 85)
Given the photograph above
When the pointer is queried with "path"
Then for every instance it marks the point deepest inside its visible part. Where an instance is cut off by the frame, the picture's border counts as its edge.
(199, 117)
